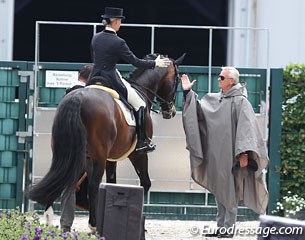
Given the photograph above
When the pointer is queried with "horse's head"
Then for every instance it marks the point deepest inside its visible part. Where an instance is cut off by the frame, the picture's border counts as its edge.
(168, 89)
(161, 83)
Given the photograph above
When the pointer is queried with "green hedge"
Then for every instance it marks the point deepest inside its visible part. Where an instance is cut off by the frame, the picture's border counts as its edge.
(292, 167)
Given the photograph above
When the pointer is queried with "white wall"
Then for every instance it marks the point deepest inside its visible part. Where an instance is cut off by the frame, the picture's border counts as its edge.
(6, 29)
(283, 43)
(286, 21)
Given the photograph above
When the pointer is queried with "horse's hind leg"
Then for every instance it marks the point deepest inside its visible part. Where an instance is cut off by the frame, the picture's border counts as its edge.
(49, 215)
(140, 163)
(96, 170)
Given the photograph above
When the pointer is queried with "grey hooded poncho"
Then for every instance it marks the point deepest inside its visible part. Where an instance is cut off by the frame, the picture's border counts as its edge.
(218, 128)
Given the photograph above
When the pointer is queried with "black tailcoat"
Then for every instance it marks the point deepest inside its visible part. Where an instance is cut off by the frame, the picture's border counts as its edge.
(107, 49)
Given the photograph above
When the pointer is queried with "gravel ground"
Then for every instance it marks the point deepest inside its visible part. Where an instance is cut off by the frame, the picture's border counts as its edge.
(180, 230)
(172, 229)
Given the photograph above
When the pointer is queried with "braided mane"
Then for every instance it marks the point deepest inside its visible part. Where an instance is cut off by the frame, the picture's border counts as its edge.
(139, 71)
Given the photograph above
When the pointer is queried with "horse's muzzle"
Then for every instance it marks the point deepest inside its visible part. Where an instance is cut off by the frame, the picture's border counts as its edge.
(170, 113)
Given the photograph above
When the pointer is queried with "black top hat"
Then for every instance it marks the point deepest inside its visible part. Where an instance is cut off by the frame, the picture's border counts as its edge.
(113, 13)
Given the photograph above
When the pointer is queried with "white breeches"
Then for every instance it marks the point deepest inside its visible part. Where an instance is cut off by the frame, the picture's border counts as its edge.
(132, 96)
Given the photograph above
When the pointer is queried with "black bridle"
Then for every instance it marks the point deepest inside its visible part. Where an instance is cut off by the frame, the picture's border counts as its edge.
(166, 106)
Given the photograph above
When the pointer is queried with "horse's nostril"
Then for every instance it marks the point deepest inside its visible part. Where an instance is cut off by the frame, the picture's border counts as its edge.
(167, 115)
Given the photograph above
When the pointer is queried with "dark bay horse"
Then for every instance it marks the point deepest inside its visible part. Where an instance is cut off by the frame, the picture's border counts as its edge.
(89, 121)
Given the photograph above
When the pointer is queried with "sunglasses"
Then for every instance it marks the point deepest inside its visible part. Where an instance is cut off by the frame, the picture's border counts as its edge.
(221, 77)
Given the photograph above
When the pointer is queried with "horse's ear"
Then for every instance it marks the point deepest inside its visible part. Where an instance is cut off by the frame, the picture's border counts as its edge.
(180, 59)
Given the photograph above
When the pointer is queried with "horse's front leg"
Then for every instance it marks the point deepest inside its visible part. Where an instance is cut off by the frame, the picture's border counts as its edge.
(140, 163)
(111, 171)
(96, 171)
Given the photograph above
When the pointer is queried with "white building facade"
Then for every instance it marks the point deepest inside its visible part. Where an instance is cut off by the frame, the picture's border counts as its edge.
(6, 29)
(283, 41)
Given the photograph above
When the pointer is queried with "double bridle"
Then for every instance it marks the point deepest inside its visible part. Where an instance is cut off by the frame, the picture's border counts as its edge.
(168, 108)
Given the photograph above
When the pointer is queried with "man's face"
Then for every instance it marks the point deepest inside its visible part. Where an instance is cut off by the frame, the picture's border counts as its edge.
(224, 81)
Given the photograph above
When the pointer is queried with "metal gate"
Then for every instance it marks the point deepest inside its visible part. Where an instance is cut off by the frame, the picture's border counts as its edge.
(16, 121)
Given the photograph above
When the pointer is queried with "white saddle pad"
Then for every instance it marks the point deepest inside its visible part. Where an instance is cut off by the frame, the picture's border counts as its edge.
(128, 114)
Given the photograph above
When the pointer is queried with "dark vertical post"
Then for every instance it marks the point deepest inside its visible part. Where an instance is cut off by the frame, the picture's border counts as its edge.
(275, 130)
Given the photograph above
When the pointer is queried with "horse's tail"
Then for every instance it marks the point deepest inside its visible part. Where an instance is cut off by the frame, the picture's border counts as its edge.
(69, 140)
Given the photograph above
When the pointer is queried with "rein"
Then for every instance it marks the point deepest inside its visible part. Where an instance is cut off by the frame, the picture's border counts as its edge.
(162, 101)
(140, 88)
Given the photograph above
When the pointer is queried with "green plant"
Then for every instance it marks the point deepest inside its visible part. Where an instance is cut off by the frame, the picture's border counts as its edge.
(15, 225)
(292, 167)
(290, 205)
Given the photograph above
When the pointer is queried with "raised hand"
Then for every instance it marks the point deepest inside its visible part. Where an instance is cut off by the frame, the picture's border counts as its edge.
(185, 81)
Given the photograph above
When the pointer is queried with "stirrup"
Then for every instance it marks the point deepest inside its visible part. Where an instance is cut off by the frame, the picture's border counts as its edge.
(146, 147)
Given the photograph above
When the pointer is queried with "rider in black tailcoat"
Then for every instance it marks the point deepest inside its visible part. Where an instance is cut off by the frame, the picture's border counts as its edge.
(107, 49)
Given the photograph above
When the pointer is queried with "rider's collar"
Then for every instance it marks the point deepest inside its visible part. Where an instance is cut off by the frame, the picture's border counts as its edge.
(110, 29)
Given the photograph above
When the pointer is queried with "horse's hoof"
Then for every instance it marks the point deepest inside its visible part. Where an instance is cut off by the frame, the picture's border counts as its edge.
(66, 229)
(48, 215)
(92, 229)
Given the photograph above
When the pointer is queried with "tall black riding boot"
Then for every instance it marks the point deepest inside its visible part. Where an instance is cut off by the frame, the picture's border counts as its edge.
(144, 144)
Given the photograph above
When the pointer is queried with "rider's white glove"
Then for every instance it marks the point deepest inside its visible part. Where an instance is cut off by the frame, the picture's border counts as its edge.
(164, 62)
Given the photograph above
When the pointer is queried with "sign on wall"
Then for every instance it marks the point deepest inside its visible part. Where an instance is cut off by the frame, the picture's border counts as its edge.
(61, 79)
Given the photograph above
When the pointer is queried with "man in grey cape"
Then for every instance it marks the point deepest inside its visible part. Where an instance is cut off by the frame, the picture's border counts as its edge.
(227, 153)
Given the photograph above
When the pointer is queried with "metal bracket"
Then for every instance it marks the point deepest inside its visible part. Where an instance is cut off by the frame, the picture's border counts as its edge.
(31, 107)
(22, 135)
(25, 75)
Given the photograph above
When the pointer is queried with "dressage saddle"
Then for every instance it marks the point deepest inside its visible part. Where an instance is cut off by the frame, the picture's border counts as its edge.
(101, 81)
